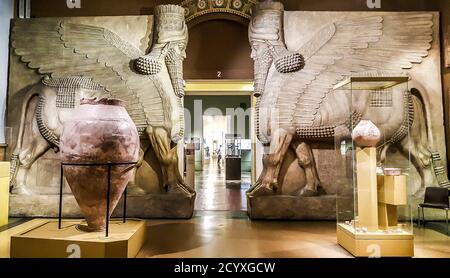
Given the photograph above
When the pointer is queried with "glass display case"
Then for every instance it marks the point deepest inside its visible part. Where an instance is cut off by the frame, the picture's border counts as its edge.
(233, 157)
(233, 145)
(372, 151)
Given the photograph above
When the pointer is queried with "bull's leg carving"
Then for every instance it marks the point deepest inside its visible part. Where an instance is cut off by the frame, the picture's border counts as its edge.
(133, 188)
(305, 158)
(168, 158)
(141, 157)
(268, 180)
(26, 157)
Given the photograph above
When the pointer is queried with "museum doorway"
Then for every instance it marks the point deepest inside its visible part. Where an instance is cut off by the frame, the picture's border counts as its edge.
(219, 121)
(218, 107)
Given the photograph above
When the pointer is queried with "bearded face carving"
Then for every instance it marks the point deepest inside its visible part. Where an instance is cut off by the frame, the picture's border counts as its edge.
(170, 47)
(267, 41)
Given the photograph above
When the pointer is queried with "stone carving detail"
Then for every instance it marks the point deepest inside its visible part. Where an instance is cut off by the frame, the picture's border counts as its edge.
(85, 61)
(196, 8)
(322, 132)
(297, 105)
(46, 132)
(67, 87)
(381, 98)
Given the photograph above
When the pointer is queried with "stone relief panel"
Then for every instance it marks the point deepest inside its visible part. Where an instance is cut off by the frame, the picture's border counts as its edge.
(55, 62)
(299, 58)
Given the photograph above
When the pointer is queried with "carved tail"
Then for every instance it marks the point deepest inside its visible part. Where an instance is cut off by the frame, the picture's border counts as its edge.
(15, 161)
(427, 110)
(439, 170)
(437, 163)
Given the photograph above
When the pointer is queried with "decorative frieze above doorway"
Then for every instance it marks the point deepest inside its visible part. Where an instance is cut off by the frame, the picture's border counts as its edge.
(197, 8)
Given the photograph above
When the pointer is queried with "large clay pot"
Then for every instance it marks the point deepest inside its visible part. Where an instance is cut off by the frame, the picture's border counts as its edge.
(100, 131)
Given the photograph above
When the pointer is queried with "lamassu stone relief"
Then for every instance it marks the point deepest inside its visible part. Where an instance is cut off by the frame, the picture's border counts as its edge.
(299, 58)
(57, 62)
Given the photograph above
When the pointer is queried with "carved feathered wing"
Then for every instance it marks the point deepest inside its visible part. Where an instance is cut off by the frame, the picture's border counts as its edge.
(61, 49)
(388, 43)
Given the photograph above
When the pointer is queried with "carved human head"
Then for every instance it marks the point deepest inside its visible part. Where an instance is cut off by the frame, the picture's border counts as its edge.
(266, 26)
(266, 37)
(171, 28)
(170, 40)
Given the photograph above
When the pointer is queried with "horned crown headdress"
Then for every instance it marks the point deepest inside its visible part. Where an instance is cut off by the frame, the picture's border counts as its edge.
(267, 23)
(267, 27)
(170, 27)
(170, 24)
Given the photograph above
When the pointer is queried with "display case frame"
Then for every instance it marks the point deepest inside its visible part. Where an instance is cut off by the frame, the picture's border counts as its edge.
(374, 208)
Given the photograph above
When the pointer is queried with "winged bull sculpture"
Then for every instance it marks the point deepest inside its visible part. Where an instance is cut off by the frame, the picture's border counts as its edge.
(296, 102)
(83, 61)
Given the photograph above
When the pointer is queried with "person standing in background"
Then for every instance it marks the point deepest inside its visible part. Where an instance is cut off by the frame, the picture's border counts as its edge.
(219, 156)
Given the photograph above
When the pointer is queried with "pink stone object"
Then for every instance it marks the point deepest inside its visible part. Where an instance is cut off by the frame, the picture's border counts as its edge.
(366, 134)
(100, 131)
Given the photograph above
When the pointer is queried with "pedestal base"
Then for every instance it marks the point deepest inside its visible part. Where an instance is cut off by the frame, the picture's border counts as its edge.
(178, 206)
(47, 241)
(375, 244)
(282, 207)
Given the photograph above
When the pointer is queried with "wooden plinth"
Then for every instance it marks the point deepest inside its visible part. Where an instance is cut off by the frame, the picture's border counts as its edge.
(391, 194)
(375, 244)
(45, 240)
(366, 171)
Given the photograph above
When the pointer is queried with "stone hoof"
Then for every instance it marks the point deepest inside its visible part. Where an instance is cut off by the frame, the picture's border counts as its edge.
(264, 190)
(306, 192)
(176, 189)
(21, 190)
(134, 190)
(253, 188)
(270, 186)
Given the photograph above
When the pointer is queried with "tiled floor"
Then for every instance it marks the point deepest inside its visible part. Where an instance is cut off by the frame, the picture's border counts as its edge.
(214, 194)
(225, 234)
(220, 228)
(222, 234)
(211, 234)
